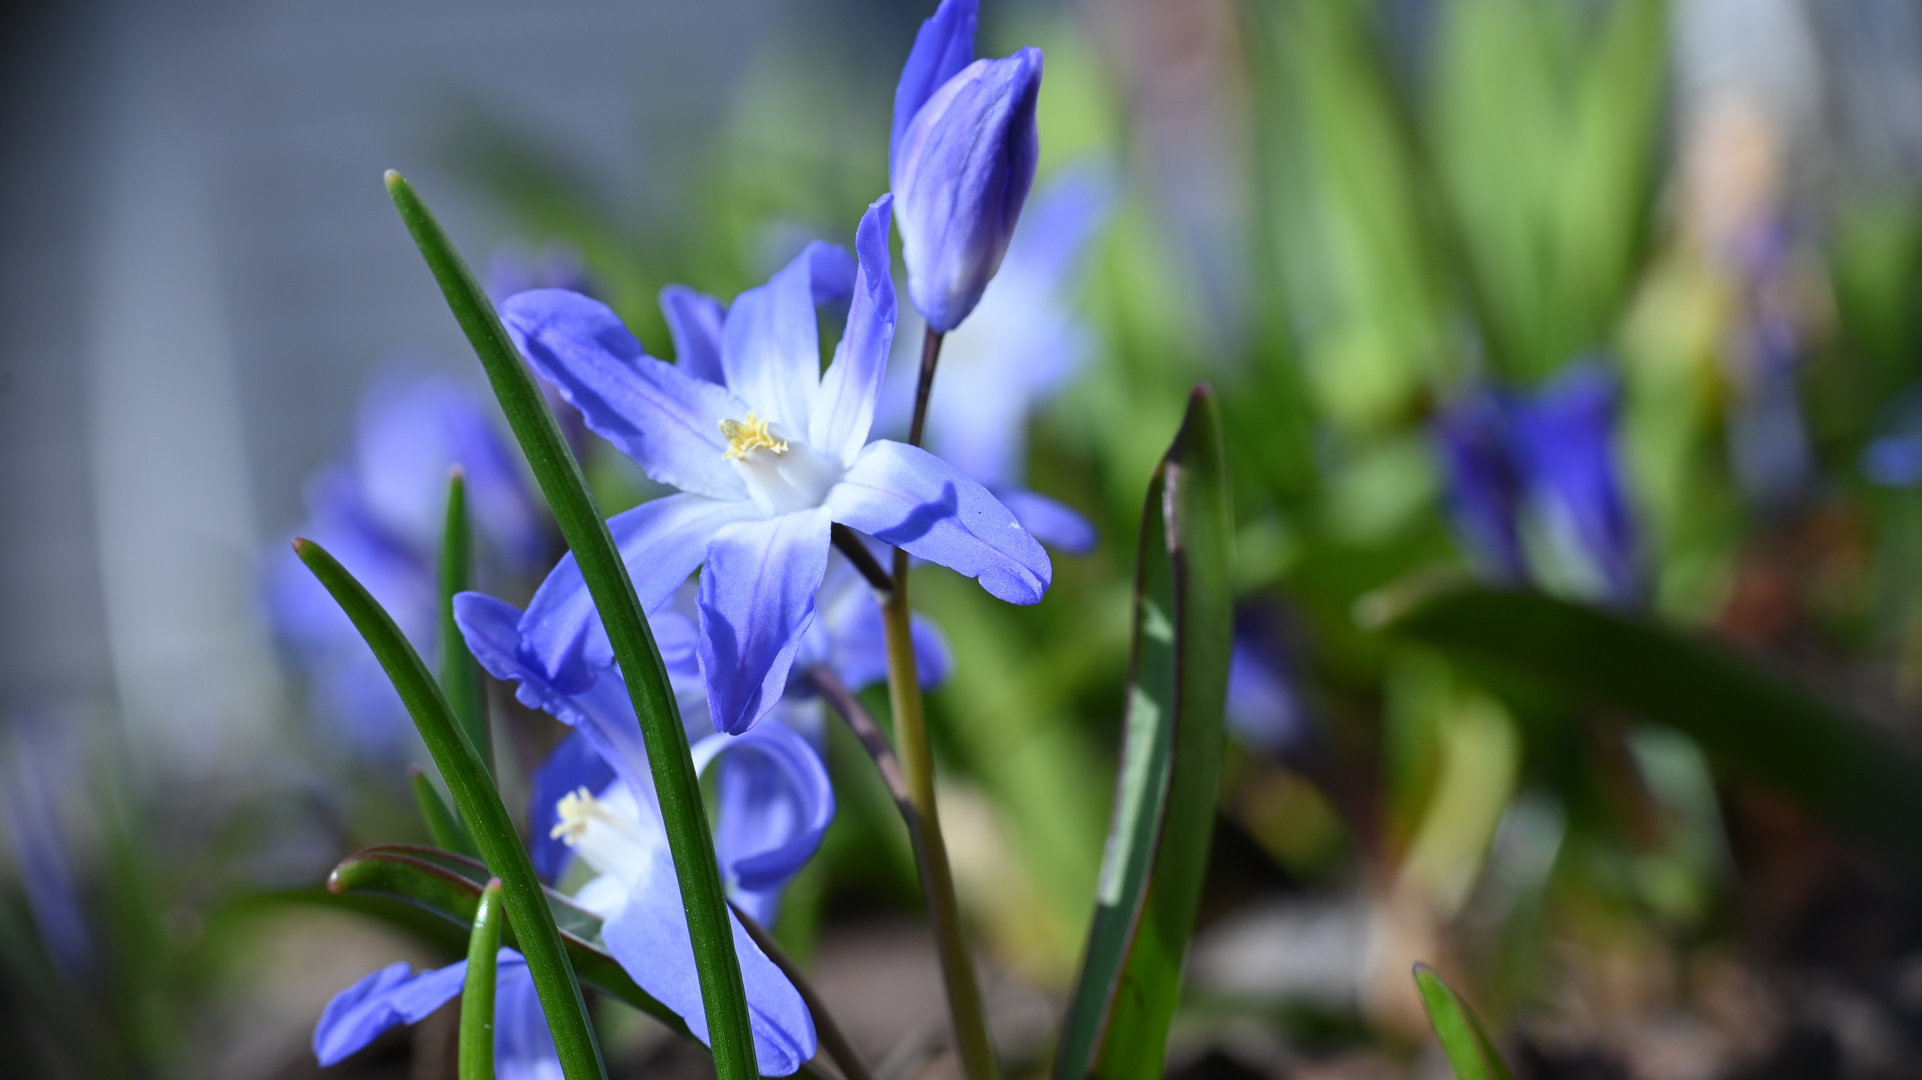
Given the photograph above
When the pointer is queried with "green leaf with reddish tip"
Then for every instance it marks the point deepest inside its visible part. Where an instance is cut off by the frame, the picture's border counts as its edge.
(449, 886)
(1470, 1053)
(1163, 819)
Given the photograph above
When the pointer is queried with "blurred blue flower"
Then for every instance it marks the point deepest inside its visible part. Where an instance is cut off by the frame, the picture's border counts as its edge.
(1484, 491)
(775, 805)
(41, 763)
(961, 159)
(1543, 467)
(555, 266)
(1265, 710)
(523, 1048)
(381, 513)
(1893, 458)
(1021, 346)
(766, 461)
(1768, 442)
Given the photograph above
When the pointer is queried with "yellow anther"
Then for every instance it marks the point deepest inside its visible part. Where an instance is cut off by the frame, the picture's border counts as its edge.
(749, 434)
(576, 808)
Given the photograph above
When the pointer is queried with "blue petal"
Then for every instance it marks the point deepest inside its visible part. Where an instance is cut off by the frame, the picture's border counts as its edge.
(358, 1014)
(757, 598)
(775, 804)
(575, 763)
(961, 173)
(907, 497)
(858, 642)
(1565, 446)
(770, 343)
(843, 409)
(944, 46)
(1052, 523)
(601, 708)
(523, 1046)
(1484, 490)
(410, 432)
(662, 542)
(694, 321)
(649, 937)
(664, 418)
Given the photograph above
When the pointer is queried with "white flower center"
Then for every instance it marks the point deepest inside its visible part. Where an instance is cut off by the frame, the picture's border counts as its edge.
(783, 473)
(606, 833)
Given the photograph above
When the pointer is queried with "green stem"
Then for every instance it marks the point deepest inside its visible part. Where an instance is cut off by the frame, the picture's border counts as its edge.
(447, 831)
(460, 676)
(917, 761)
(480, 805)
(477, 995)
(565, 489)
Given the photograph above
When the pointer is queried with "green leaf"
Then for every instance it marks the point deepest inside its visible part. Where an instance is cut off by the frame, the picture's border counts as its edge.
(442, 825)
(1469, 1052)
(565, 489)
(460, 676)
(477, 993)
(480, 806)
(449, 886)
(1753, 725)
(1157, 849)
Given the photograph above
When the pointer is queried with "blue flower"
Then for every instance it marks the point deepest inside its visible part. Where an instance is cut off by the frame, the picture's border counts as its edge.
(523, 1049)
(381, 513)
(766, 460)
(1534, 485)
(1265, 710)
(1018, 350)
(775, 805)
(556, 266)
(961, 160)
(1471, 438)
(41, 764)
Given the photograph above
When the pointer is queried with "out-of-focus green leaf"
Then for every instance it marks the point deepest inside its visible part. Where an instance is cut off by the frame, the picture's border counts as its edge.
(1157, 853)
(449, 885)
(1544, 131)
(1752, 724)
(460, 676)
(1469, 1052)
(445, 829)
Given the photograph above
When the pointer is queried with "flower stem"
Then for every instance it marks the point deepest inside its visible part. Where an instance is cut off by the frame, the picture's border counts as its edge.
(930, 355)
(917, 761)
(477, 995)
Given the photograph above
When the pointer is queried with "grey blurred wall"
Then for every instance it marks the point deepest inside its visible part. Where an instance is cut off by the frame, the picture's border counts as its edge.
(198, 267)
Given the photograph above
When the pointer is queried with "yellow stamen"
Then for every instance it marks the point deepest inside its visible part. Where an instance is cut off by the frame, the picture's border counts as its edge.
(749, 434)
(576, 808)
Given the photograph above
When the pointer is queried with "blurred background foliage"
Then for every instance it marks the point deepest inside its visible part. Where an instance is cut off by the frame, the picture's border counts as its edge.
(1346, 216)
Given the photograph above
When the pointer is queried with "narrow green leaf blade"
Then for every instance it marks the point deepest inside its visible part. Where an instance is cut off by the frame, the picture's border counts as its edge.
(477, 993)
(480, 806)
(460, 676)
(565, 489)
(449, 886)
(1753, 724)
(1470, 1053)
(1157, 852)
(442, 825)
